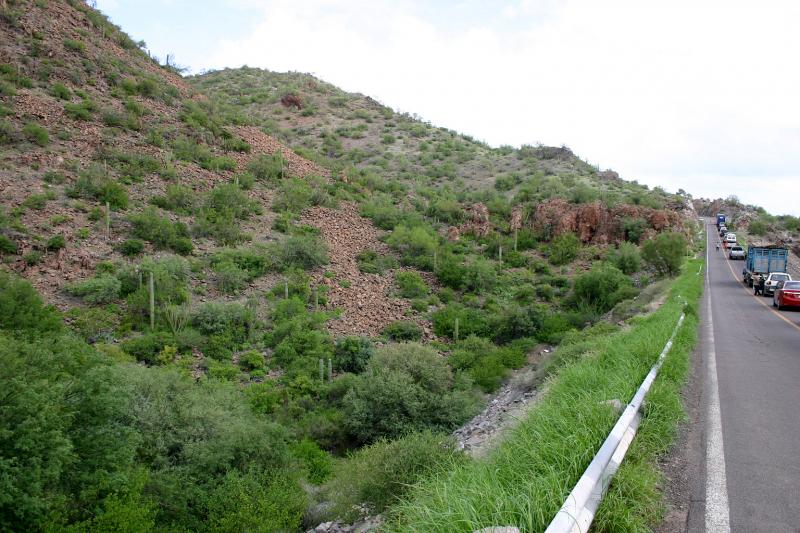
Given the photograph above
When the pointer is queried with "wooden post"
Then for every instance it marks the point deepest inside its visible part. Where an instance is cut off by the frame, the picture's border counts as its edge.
(152, 289)
(455, 331)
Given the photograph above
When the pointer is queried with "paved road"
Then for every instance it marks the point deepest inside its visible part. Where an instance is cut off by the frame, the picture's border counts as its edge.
(752, 442)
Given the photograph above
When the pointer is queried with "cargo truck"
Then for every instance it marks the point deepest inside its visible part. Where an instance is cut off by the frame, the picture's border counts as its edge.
(720, 219)
(762, 261)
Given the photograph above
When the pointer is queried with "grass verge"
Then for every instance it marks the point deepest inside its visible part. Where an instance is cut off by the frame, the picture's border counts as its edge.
(525, 480)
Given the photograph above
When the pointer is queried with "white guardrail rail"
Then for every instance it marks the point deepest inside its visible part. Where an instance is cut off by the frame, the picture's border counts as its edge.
(578, 511)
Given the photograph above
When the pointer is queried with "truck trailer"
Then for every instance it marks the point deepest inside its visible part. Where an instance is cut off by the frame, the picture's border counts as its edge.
(720, 220)
(762, 261)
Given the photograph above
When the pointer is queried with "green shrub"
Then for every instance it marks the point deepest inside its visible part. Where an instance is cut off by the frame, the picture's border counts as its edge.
(665, 253)
(383, 213)
(233, 320)
(251, 360)
(147, 347)
(627, 258)
(403, 330)
(370, 262)
(470, 322)
(100, 290)
(416, 245)
(601, 288)
(131, 247)
(34, 257)
(295, 194)
(162, 232)
(316, 463)
(351, 354)
(564, 249)
(406, 387)
(177, 198)
(56, 242)
(54, 178)
(224, 206)
(633, 229)
(302, 251)
(230, 278)
(411, 285)
(93, 183)
(36, 134)
(74, 46)
(255, 261)
(22, 309)
(8, 134)
(82, 111)
(757, 227)
(379, 474)
(7, 246)
(268, 167)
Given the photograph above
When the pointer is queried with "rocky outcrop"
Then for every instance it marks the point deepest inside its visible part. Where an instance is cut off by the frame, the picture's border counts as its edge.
(595, 223)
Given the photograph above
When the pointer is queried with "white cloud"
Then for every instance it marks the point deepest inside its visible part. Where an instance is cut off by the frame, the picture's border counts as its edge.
(671, 94)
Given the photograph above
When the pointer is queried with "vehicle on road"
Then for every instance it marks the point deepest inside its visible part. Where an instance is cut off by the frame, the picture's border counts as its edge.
(767, 285)
(762, 261)
(720, 219)
(787, 294)
(737, 252)
(722, 231)
(730, 238)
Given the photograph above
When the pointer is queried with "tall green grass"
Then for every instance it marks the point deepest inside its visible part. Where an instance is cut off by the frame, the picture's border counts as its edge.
(525, 480)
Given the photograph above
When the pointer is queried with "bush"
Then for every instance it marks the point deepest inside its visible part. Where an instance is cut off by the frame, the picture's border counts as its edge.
(316, 463)
(379, 474)
(470, 322)
(757, 227)
(302, 251)
(82, 111)
(254, 261)
(403, 330)
(7, 246)
(351, 354)
(74, 45)
(36, 134)
(251, 360)
(406, 388)
(22, 309)
(230, 277)
(162, 232)
(177, 198)
(93, 183)
(61, 91)
(131, 247)
(411, 285)
(147, 347)
(416, 245)
(56, 242)
(633, 229)
(268, 167)
(100, 290)
(370, 262)
(665, 253)
(564, 249)
(601, 288)
(627, 258)
(295, 194)
(223, 319)
(222, 210)
(382, 212)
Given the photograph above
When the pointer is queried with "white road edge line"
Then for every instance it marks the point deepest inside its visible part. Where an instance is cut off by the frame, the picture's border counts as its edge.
(717, 510)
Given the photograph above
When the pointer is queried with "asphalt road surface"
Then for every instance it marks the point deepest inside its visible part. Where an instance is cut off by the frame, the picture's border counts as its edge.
(750, 475)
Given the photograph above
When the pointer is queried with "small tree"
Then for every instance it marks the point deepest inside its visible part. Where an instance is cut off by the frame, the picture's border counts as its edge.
(665, 253)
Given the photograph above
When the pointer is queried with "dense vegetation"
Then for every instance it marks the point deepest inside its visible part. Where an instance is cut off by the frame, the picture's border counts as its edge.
(192, 382)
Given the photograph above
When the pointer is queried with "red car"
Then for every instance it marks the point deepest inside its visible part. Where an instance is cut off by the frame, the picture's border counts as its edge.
(787, 294)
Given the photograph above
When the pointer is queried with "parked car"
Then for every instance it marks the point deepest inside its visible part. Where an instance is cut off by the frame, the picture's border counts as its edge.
(737, 252)
(730, 238)
(767, 288)
(787, 293)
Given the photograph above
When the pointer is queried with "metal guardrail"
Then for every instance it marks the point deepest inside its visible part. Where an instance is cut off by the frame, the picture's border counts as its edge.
(578, 510)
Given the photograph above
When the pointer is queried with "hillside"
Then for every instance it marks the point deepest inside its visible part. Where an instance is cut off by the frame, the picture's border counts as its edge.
(246, 276)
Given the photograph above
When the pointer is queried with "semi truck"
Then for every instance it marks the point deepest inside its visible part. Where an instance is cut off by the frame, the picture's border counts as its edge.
(720, 220)
(762, 261)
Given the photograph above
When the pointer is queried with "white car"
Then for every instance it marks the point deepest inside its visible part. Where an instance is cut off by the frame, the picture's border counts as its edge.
(737, 252)
(730, 238)
(770, 284)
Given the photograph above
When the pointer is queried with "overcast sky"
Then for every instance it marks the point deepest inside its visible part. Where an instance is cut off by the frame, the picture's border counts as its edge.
(702, 95)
